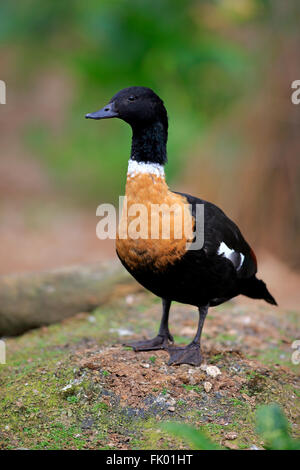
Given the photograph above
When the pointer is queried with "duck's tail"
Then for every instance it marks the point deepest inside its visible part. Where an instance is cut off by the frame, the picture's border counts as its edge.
(256, 289)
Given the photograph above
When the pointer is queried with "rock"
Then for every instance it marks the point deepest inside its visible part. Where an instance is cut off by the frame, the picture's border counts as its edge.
(231, 436)
(230, 445)
(194, 376)
(207, 386)
(192, 380)
(171, 402)
(146, 366)
(213, 371)
(49, 297)
(184, 378)
(67, 390)
(160, 399)
(129, 299)
(121, 331)
(171, 408)
(87, 423)
(70, 388)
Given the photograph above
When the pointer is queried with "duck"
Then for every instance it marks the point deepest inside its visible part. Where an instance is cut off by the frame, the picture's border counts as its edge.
(221, 264)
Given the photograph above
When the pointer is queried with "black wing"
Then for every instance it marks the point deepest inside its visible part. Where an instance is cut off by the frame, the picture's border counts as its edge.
(222, 236)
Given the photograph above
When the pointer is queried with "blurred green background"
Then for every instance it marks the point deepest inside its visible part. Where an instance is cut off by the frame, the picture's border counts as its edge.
(224, 70)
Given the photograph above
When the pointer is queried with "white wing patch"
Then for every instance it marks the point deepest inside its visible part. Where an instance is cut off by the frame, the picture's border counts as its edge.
(230, 254)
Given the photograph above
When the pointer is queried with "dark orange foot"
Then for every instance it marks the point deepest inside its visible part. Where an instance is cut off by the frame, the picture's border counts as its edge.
(159, 342)
(188, 355)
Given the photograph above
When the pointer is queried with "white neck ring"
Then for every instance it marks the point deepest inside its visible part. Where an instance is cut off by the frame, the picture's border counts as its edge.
(137, 168)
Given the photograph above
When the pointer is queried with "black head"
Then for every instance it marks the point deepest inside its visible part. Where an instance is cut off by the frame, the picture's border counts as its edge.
(138, 106)
(145, 112)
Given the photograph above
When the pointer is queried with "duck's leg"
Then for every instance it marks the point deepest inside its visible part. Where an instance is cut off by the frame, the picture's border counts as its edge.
(164, 337)
(191, 353)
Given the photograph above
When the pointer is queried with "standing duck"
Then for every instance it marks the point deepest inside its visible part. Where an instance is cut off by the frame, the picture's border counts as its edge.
(220, 268)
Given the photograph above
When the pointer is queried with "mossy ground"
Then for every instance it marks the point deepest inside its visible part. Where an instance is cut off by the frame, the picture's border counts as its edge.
(73, 386)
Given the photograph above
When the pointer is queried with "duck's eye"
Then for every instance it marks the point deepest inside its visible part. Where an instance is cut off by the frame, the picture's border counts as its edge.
(131, 98)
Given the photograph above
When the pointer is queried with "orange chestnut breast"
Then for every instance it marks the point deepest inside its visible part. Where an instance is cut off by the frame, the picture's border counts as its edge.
(155, 226)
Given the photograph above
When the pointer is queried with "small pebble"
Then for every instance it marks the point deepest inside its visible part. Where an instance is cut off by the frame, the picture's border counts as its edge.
(171, 408)
(231, 445)
(171, 402)
(207, 386)
(121, 331)
(146, 366)
(213, 371)
(129, 299)
(230, 436)
(67, 388)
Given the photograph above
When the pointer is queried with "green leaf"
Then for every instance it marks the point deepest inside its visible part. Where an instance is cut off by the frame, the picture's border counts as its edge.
(193, 436)
(273, 426)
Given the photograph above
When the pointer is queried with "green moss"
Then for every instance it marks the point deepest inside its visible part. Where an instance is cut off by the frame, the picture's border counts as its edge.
(100, 406)
(277, 355)
(61, 436)
(236, 402)
(212, 428)
(38, 411)
(216, 358)
(73, 399)
(192, 387)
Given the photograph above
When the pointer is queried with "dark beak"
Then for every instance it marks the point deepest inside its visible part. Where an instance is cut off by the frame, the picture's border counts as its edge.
(107, 112)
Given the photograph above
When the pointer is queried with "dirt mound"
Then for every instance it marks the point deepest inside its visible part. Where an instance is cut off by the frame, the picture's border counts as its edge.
(144, 383)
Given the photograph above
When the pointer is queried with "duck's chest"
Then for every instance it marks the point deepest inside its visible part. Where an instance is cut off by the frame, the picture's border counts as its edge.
(156, 224)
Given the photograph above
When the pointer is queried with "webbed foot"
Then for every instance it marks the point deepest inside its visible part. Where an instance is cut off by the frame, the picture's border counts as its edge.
(159, 342)
(190, 354)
